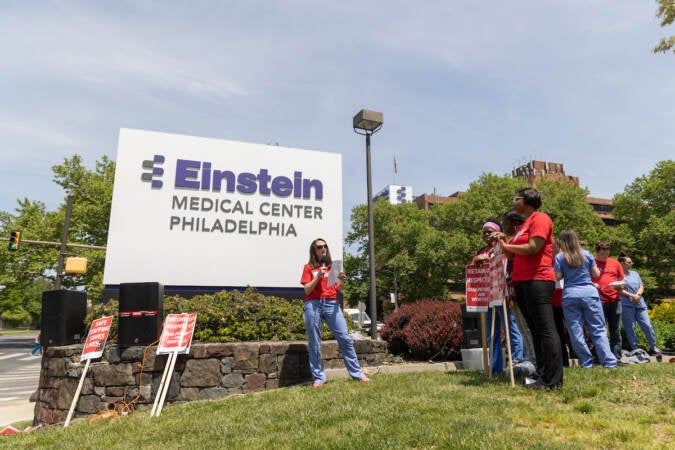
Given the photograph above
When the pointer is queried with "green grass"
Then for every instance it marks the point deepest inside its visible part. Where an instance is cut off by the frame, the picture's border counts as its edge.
(632, 407)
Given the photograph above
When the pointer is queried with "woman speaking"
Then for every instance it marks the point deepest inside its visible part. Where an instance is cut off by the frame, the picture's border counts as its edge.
(321, 304)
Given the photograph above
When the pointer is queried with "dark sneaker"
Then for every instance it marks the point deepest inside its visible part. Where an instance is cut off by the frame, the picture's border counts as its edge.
(655, 352)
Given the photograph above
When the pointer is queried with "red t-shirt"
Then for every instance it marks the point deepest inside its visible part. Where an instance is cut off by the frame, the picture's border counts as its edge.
(610, 270)
(556, 298)
(540, 265)
(322, 290)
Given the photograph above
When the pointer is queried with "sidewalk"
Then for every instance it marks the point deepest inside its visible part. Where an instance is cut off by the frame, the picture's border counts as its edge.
(16, 411)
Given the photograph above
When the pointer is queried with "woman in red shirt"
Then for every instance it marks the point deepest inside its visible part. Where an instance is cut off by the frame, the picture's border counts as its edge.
(321, 304)
(534, 282)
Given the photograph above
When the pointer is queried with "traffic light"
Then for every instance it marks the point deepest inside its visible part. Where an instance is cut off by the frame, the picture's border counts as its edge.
(14, 240)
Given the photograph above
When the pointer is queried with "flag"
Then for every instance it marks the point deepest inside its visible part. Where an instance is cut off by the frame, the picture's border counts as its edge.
(395, 165)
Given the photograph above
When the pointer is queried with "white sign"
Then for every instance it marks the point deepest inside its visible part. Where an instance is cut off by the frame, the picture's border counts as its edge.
(198, 212)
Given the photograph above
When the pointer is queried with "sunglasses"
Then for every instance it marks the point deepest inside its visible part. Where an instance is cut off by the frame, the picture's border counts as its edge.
(319, 247)
(603, 246)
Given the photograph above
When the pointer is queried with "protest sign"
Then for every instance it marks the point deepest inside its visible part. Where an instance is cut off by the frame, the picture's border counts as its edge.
(177, 333)
(478, 285)
(96, 339)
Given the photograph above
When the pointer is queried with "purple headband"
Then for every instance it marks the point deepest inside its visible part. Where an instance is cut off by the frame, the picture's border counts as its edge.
(492, 225)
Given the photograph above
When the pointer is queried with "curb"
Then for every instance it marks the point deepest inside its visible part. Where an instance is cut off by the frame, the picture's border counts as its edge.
(448, 366)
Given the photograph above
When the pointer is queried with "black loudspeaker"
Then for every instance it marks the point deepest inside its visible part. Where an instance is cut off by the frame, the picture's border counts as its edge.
(141, 312)
(471, 328)
(63, 314)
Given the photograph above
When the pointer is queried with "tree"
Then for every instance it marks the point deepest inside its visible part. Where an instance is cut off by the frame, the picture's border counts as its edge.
(487, 198)
(29, 267)
(566, 204)
(666, 12)
(646, 205)
(428, 252)
(406, 248)
(32, 269)
(90, 216)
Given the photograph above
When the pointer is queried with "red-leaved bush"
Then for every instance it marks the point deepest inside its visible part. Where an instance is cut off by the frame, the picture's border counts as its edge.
(425, 329)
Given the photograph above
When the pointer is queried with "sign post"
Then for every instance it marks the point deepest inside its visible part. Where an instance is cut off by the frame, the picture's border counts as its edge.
(93, 348)
(176, 338)
(485, 287)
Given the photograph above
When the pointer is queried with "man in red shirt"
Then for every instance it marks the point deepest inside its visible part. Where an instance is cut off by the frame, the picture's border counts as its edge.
(610, 272)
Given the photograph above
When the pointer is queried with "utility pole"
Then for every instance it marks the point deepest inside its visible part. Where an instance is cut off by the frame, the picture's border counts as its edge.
(64, 242)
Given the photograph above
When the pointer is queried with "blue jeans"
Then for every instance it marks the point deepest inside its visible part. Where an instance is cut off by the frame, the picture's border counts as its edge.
(514, 336)
(613, 318)
(588, 310)
(629, 315)
(329, 310)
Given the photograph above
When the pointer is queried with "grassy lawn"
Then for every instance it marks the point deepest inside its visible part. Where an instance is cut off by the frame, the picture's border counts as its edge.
(631, 407)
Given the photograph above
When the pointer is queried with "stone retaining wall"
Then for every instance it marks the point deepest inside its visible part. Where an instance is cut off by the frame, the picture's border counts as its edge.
(209, 371)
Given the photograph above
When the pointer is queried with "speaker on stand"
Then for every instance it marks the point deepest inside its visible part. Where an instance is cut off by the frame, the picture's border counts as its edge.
(63, 314)
(141, 313)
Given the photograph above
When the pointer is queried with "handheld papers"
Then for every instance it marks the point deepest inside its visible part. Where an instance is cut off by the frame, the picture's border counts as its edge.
(335, 270)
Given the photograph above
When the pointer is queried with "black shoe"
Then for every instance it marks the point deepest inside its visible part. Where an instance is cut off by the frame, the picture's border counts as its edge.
(537, 384)
(531, 383)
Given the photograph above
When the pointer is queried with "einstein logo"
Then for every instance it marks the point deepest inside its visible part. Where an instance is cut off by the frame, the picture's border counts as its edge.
(155, 171)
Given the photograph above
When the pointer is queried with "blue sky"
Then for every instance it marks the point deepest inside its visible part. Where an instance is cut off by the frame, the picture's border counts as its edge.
(465, 87)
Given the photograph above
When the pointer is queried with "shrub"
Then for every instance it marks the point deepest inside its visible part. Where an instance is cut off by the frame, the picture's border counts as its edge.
(230, 316)
(393, 329)
(665, 312)
(665, 334)
(111, 308)
(424, 329)
(664, 331)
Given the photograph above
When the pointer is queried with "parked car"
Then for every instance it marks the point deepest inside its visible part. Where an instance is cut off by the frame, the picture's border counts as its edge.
(353, 314)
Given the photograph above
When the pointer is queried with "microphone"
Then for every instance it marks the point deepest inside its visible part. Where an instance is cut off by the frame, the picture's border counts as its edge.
(323, 261)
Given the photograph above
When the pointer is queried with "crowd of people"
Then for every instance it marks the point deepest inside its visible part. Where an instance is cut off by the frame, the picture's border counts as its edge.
(567, 297)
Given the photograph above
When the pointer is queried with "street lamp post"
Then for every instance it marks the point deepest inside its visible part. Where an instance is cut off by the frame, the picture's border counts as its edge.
(369, 122)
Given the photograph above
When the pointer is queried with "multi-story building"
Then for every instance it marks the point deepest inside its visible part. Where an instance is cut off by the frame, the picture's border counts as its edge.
(534, 171)
(395, 194)
(428, 201)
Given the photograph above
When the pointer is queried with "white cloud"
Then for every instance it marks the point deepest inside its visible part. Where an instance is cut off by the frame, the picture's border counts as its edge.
(465, 86)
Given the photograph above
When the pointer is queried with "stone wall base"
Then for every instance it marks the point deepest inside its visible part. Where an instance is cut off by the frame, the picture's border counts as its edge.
(132, 375)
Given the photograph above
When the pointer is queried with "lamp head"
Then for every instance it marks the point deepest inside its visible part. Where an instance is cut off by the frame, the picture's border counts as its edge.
(368, 121)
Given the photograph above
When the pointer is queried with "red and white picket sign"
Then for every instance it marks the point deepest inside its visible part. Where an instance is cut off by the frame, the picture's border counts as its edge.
(485, 287)
(93, 348)
(478, 288)
(176, 338)
(177, 333)
(485, 284)
(497, 277)
(96, 339)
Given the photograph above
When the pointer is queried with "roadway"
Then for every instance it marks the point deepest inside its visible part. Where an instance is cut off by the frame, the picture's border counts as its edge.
(19, 377)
